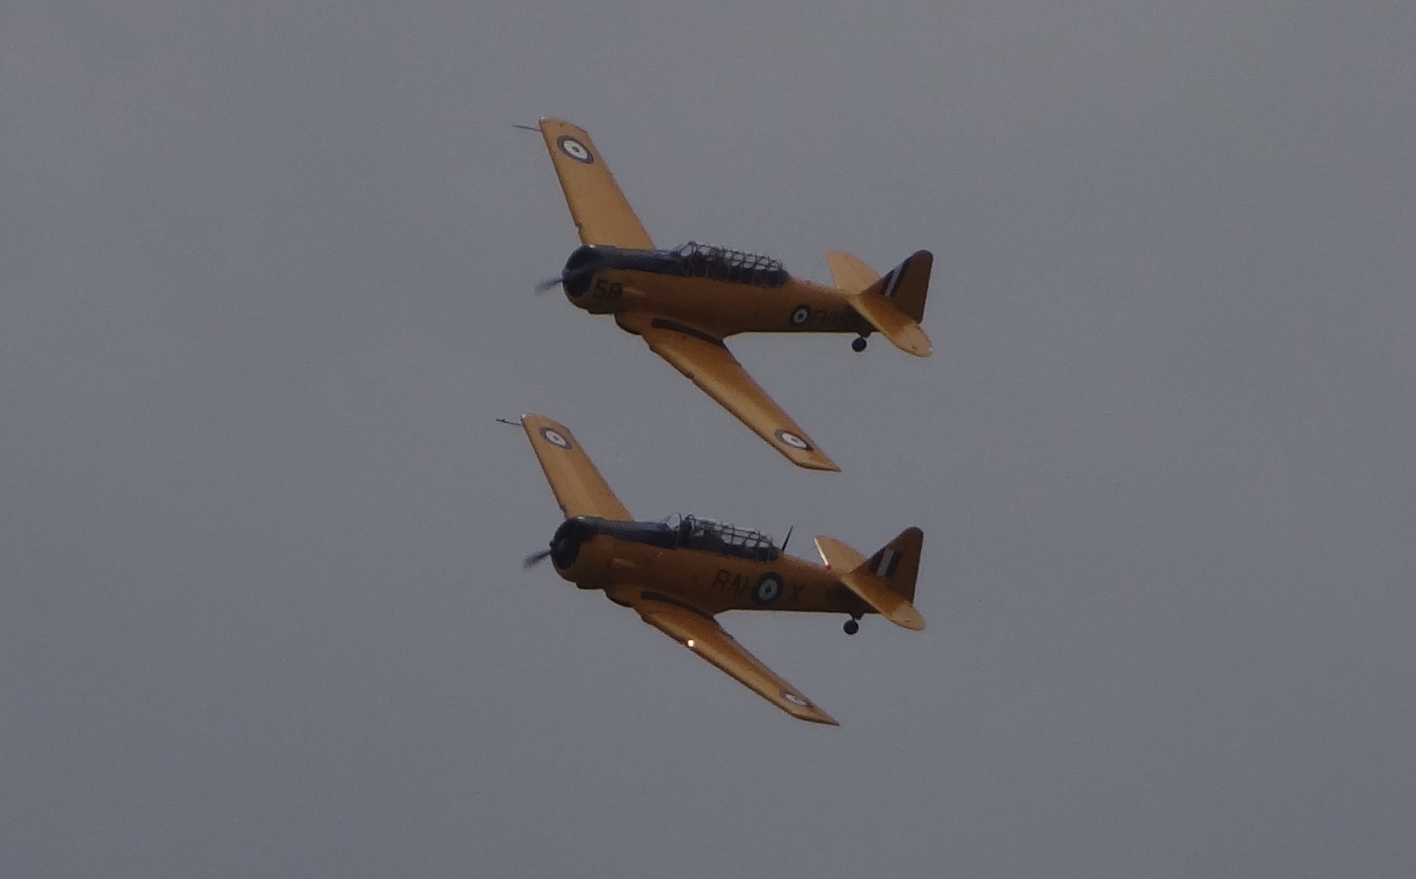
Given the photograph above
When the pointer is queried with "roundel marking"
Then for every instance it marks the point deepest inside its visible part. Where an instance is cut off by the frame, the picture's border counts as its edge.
(555, 438)
(795, 699)
(800, 315)
(768, 589)
(788, 438)
(575, 149)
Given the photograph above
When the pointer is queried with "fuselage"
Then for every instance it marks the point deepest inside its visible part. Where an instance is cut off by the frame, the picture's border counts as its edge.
(700, 570)
(715, 291)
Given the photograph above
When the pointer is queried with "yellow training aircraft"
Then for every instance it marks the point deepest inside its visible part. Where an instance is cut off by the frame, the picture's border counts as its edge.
(684, 302)
(678, 573)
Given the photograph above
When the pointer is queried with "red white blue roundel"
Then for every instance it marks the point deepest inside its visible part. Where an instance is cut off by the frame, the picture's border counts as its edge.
(575, 149)
(768, 589)
(788, 438)
(555, 438)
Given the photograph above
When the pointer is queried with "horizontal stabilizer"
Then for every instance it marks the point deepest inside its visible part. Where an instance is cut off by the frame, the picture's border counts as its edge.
(850, 273)
(886, 580)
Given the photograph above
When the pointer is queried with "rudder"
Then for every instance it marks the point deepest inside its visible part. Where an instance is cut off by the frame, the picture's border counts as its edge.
(897, 562)
(907, 284)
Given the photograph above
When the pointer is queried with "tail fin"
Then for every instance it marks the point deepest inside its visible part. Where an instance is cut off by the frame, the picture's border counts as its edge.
(886, 580)
(894, 304)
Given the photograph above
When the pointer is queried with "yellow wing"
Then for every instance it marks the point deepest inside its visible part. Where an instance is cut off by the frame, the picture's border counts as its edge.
(601, 213)
(578, 486)
(702, 635)
(709, 364)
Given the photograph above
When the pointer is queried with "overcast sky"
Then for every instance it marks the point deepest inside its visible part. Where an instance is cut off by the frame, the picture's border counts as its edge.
(267, 282)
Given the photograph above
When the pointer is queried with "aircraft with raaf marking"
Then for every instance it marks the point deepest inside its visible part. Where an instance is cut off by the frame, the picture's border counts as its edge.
(679, 573)
(685, 302)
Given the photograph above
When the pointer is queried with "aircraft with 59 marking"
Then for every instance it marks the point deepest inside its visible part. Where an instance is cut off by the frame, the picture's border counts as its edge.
(679, 573)
(684, 302)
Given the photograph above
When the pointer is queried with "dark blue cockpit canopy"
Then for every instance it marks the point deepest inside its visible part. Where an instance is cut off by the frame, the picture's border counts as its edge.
(692, 260)
(703, 260)
(684, 532)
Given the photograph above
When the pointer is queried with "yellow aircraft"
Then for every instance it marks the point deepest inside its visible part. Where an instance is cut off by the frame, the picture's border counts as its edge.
(677, 574)
(684, 302)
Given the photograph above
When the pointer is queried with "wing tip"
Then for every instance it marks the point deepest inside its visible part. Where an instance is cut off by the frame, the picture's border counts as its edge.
(801, 451)
(801, 708)
(822, 464)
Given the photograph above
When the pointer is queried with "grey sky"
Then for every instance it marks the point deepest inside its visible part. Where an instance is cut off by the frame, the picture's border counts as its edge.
(267, 282)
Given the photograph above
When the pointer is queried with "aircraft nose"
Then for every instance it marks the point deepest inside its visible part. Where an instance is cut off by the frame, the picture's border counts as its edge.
(565, 544)
(578, 272)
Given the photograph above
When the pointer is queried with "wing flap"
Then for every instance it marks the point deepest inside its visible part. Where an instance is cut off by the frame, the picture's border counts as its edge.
(708, 363)
(602, 214)
(578, 486)
(704, 637)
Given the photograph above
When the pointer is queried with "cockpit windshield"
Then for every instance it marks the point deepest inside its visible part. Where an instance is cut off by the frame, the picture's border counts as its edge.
(705, 261)
(710, 536)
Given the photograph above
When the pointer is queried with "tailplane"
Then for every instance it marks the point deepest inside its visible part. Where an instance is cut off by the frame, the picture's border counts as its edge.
(850, 273)
(886, 580)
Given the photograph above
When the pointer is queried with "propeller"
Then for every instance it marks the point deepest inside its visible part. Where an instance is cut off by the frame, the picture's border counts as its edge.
(569, 276)
(535, 558)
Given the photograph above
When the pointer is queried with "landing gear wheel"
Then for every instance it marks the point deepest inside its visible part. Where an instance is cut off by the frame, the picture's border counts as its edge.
(851, 627)
(858, 344)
